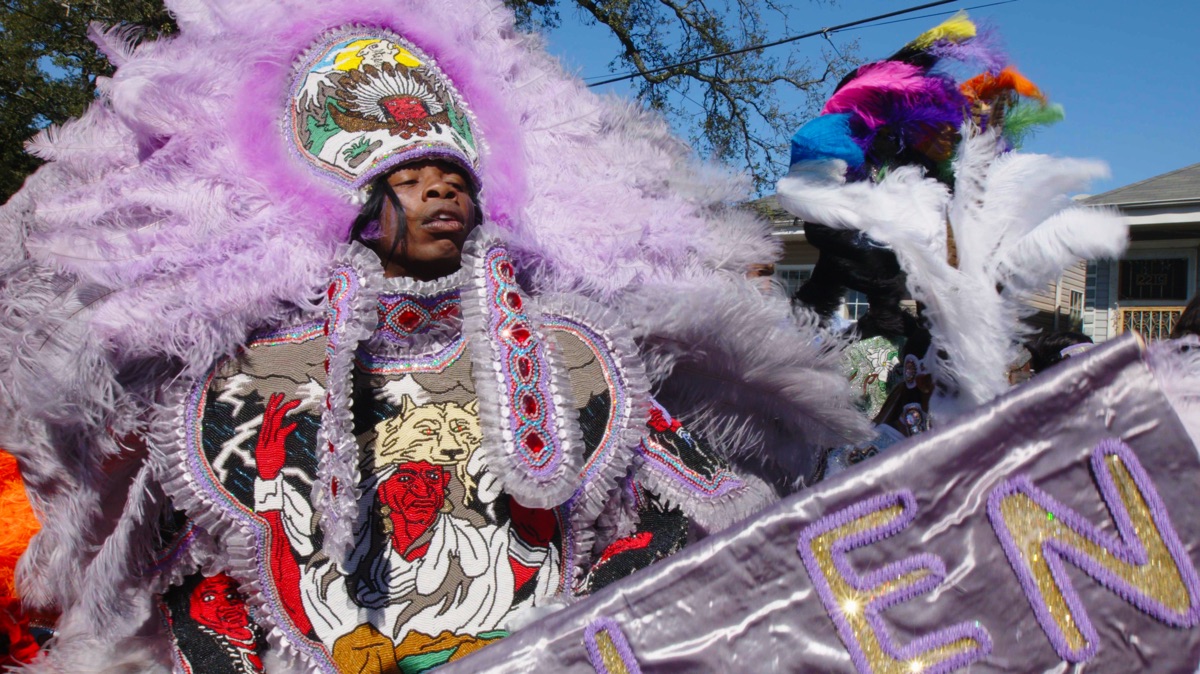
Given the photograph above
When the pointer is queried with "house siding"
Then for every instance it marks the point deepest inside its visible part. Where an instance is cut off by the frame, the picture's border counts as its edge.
(1097, 322)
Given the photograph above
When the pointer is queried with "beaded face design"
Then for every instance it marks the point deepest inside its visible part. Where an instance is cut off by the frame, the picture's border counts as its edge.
(365, 100)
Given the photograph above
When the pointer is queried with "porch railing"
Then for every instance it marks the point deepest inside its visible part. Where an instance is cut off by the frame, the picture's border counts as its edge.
(1153, 323)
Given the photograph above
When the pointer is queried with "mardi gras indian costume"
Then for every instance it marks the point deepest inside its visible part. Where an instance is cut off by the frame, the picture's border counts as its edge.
(210, 382)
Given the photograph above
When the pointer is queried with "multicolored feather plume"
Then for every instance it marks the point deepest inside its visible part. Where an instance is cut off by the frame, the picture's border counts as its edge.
(1009, 215)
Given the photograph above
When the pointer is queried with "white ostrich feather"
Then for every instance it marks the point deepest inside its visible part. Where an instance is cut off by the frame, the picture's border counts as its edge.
(1015, 229)
(1071, 234)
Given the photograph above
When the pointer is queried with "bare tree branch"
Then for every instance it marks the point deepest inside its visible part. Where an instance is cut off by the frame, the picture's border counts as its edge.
(738, 117)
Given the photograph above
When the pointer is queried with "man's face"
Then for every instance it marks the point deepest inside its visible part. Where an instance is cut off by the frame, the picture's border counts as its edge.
(417, 492)
(439, 213)
(216, 604)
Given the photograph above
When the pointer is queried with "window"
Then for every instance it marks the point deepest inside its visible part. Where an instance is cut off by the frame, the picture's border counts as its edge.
(1076, 316)
(856, 305)
(1153, 279)
(792, 277)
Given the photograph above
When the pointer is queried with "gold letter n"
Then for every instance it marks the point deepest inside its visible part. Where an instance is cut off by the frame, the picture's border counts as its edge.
(1146, 565)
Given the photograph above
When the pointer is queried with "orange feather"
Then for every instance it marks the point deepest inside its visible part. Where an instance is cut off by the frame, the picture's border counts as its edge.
(20, 523)
(988, 87)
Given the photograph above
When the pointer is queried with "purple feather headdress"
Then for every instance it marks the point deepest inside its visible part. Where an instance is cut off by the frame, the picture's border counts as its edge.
(173, 218)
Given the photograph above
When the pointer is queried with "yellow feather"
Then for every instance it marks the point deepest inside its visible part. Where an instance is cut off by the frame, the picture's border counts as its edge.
(956, 29)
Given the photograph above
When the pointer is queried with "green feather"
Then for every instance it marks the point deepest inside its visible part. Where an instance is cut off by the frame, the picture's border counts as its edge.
(1025, 118)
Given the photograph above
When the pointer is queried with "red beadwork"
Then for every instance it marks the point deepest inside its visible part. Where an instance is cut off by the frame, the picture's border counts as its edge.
(409, 320)
(513, 300)
(524, 368)
(404, 108)
(522, 334)
(529, 405)
(506, 271)
(534, 443)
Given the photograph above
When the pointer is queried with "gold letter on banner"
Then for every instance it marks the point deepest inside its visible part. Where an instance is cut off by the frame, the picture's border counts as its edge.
(1146, 564)
(856, 602)
(607, 648)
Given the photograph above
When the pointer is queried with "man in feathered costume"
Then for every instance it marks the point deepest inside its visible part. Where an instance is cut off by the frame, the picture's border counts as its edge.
(361, 305)
(912, 179)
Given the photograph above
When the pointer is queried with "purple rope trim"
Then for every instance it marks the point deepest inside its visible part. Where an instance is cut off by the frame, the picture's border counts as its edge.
(1127, 548)
(875, 607)
(292, 335)
(616, 388)
(673, 468)
(566, 560)
(434, 362)
(613, 630)
(442, 151)
(215, 493)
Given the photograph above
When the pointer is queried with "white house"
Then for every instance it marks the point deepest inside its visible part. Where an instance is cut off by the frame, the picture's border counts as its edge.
(1147, 289)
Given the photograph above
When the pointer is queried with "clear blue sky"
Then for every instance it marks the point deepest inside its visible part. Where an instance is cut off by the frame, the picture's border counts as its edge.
(1127, 71)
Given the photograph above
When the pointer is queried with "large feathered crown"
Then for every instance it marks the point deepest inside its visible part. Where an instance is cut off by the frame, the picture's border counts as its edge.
(365, 100)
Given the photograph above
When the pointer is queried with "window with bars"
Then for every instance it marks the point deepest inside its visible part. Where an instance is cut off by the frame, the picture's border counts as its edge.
(1153, 323)
(1162, 278)
(791, 277)
(856, 305)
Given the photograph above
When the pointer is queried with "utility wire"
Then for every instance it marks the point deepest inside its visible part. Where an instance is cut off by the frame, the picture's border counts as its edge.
(824, 31)
(931, 15)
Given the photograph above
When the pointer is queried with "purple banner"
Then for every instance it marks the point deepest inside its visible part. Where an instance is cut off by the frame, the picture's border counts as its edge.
(1057, 526)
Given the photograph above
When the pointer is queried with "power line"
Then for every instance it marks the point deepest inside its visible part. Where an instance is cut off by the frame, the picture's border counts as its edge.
(794, 38)
(930, 15)
(824, 31)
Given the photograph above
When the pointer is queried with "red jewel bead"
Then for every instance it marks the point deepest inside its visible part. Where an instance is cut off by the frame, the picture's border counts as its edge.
(513, 300)
(506, 271)
(332, 290)
(333, 486)
(534, 443)
(529, 405)
(524, 367)
(521, 334)
(409, 320)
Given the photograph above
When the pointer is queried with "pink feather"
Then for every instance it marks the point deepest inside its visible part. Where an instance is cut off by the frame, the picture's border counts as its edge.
(877, 86)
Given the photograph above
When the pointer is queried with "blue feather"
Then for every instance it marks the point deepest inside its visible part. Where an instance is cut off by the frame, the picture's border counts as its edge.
(827, 137)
